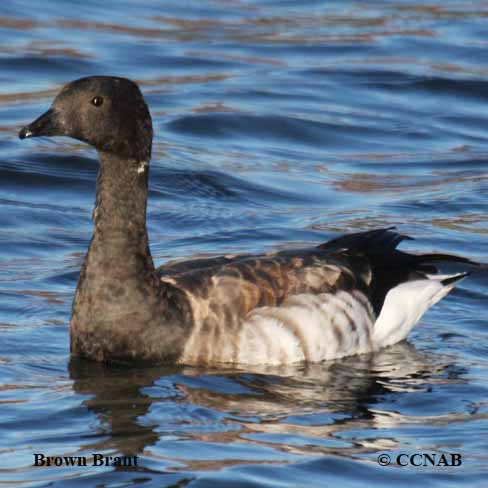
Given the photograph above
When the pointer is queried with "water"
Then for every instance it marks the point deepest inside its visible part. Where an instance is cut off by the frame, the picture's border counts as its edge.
(277, 123)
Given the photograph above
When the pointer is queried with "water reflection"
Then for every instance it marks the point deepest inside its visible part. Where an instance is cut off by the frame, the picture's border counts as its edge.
(117, 398)
(139, 410)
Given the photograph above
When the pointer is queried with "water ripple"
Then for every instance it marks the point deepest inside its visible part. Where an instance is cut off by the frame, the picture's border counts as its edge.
(276, 124)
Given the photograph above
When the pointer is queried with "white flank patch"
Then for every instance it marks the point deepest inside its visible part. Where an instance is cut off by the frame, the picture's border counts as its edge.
(306, 327)
(265, 340)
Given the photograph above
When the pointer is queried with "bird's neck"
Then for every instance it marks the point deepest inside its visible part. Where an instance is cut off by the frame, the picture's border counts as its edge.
(120, 239)
(118, 275)
(120, 310)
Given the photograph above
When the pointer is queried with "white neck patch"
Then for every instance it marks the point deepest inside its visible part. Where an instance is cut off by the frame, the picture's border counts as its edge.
(142, 167)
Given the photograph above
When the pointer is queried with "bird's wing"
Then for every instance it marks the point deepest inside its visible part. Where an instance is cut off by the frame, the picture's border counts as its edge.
(248, 281)
(228, 288)
(231, 286)
(175, 267)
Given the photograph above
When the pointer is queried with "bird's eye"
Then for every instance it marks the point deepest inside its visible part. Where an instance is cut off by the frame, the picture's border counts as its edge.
(97, 101)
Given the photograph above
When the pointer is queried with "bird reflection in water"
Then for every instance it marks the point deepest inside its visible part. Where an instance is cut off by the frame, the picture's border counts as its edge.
(143, 409)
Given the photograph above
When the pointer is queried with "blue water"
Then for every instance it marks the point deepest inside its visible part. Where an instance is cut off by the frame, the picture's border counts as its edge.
(276, 123)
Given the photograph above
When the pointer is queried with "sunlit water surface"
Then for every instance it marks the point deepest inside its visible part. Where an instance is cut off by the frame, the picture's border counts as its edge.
(277, 123)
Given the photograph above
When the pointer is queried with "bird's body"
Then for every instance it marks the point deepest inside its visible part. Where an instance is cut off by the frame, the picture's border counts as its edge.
(305, 305)
(351, 295)
(311, 304)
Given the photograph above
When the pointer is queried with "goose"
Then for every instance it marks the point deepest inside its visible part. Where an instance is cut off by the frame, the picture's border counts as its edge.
(354, 294)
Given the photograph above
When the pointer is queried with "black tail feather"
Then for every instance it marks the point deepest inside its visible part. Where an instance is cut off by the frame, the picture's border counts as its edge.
(455, 278)
(448, 258)
(389, 266)
(378, 241)
(375, 241)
